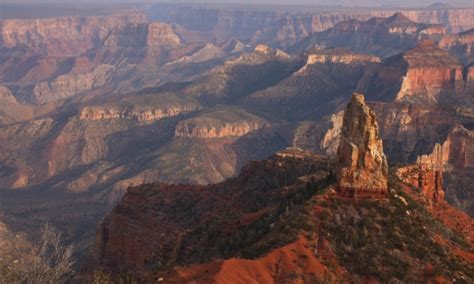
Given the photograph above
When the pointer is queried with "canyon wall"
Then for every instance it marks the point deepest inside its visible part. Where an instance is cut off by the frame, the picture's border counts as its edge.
(63, 36)
(461, 45)
(219, 124)
(431, 71)
(285, 29)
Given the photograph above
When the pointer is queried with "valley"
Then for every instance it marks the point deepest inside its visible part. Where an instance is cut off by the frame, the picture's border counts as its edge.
(110, 111)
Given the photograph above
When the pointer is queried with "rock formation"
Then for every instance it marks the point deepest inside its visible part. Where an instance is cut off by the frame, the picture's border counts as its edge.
(146, 114)
(6, 95)
(165, 223)
(425, 74)
(362, 166)
(285, 29)
(426, 174)
(454, 157)
(207, 52)
(336, 56)
(63, 36)
(69, 85)
(220, 124)
(460, 45)
(160, 34)
(251, 229)
(382, 37)
(431, 72)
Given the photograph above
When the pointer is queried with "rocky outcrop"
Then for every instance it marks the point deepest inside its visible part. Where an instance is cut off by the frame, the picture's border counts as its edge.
(426, 175)
(235, 46)
(362, 166)
(190, 130)
(344, 58)
(143, 115)
(69, 85)
(6, 95)
(161, 34)
(205, 53)
(220, 124)
(452, 158)
(337, 56)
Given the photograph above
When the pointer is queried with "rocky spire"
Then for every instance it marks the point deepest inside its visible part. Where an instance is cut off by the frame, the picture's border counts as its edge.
(362, 166)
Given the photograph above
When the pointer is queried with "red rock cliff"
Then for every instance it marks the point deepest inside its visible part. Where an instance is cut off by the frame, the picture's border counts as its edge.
(455, 154)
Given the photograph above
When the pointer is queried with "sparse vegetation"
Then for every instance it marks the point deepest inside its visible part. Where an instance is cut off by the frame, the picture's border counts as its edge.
(50, 261)
(396, 239)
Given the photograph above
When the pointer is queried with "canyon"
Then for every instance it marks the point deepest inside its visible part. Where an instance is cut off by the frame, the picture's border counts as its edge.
(285, 29)
(173, 100)
(271, 215)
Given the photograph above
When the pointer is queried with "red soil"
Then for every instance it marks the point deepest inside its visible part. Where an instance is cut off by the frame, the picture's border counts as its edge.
(277, 266)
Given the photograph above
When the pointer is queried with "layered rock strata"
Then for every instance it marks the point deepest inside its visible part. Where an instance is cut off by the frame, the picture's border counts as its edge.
(431, 72)
(452, 157)
(220, 124)
(362, 166)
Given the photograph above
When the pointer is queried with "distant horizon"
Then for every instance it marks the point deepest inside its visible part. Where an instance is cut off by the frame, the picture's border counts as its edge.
(334, 3)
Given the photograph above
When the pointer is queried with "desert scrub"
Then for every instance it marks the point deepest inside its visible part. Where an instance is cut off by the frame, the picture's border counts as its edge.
(392, 239)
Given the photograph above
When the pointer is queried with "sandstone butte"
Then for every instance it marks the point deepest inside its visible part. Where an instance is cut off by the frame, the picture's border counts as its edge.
(362, 169)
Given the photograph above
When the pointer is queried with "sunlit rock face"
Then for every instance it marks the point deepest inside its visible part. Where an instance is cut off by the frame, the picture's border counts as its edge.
(362, 166)
(431, 72)
(437, 174)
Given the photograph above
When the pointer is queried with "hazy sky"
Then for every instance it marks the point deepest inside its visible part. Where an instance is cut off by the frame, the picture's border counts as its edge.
(314, 2)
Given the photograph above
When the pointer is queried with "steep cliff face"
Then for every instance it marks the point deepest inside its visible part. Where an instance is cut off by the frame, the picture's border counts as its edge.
(317, 88)
(410, 130)
(52, 59)
(431, 71)
(383, 37)
(460, 45)
(133, 113)
(339, 56)
(220, 124)
(362, 166)
(65, 36)
(286, 29)
(426, 175)
(425, 74)
(457, 20)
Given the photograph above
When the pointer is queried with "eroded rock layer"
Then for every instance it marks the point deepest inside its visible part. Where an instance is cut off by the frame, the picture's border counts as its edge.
(362, 165)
